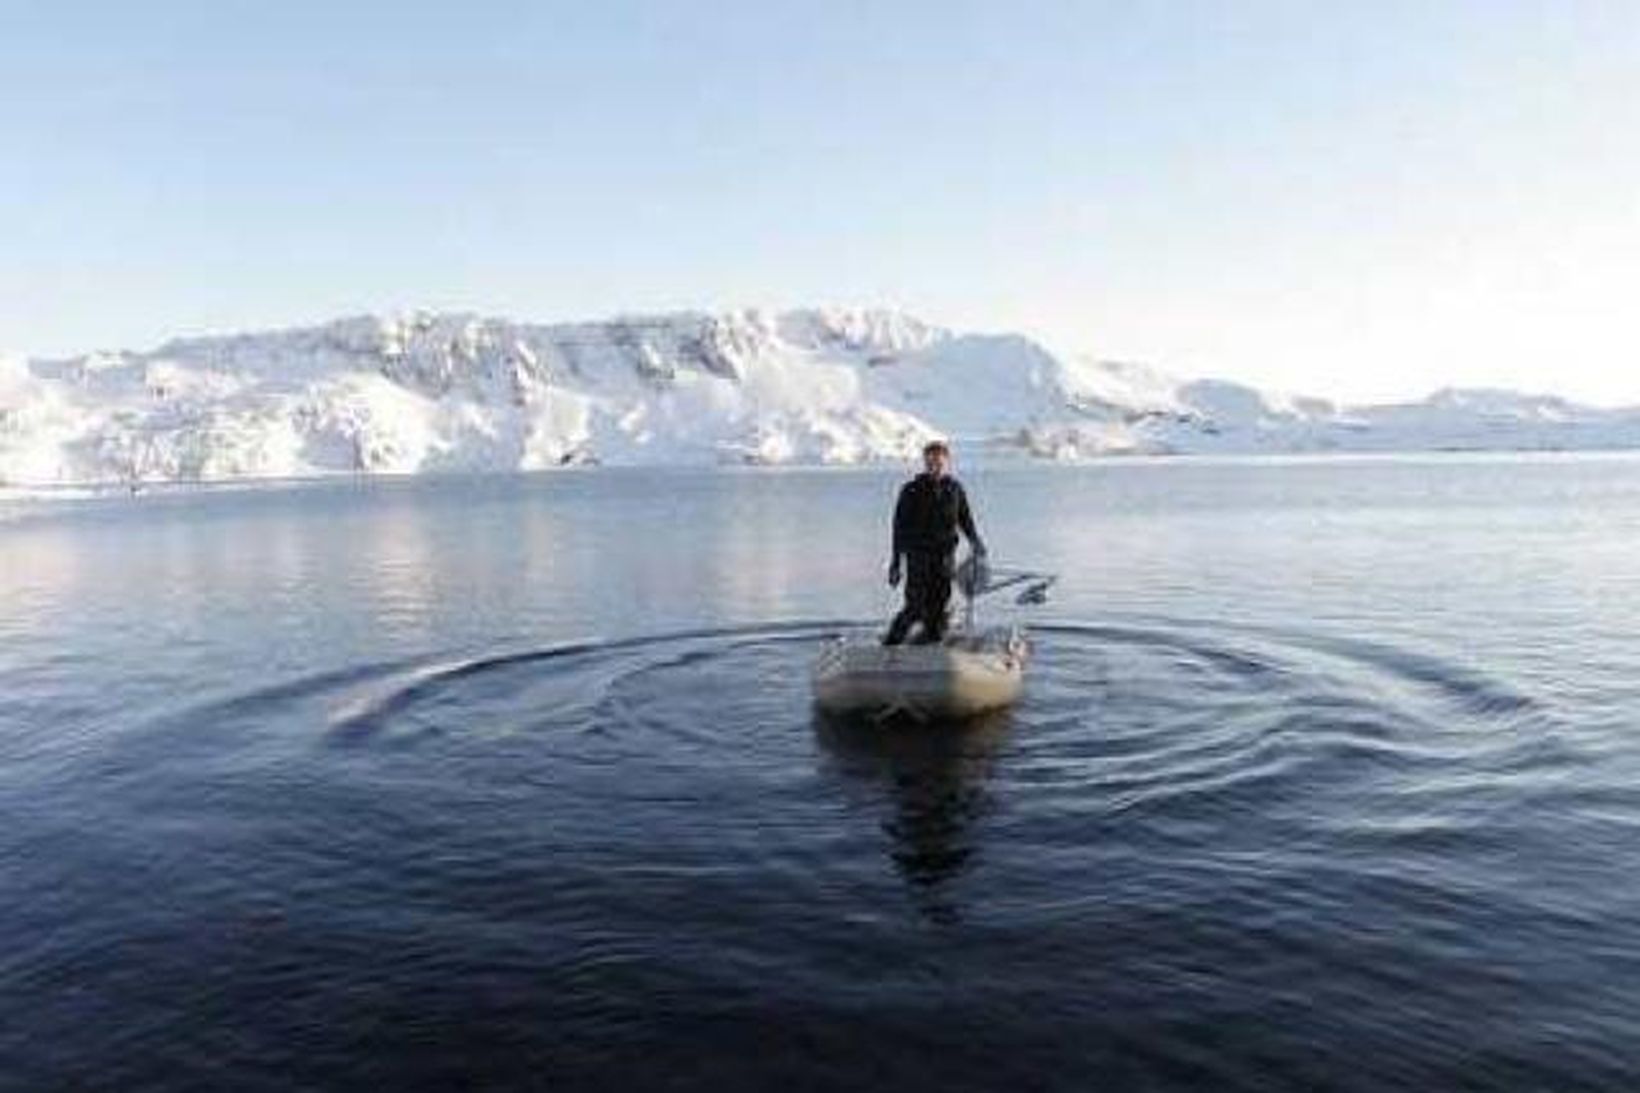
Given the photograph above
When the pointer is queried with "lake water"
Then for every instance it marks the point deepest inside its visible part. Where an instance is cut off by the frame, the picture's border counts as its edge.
(1327, 776)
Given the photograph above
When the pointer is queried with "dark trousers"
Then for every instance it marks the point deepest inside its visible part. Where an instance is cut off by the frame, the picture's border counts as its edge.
(927, 591)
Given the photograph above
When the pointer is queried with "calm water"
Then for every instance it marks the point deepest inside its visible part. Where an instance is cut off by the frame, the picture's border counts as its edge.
(1327, 776)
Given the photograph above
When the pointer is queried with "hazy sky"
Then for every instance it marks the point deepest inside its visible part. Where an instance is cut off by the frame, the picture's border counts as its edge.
(1357, 199)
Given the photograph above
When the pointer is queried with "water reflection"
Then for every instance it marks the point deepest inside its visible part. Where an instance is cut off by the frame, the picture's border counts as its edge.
(936, 781)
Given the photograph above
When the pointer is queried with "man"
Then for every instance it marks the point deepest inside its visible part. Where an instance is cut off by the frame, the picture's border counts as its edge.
(931, 510)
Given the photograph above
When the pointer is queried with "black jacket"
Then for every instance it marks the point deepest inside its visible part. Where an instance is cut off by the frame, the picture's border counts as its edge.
(929, 514)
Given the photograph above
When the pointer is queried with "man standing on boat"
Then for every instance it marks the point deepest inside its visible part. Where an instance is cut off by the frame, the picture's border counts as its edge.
(931, 510)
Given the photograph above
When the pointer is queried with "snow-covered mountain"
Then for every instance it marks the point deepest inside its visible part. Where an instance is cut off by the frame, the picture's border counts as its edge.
(432, 392)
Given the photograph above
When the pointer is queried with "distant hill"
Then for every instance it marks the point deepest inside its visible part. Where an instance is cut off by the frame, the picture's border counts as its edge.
(444, 392)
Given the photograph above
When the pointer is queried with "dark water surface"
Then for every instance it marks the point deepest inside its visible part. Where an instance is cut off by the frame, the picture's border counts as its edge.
(1327, 777)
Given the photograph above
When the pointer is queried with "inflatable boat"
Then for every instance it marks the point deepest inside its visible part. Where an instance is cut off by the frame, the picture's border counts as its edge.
(970, 672)
(959, 677)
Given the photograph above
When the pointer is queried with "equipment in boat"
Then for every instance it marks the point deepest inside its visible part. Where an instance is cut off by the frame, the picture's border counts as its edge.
(973, 670)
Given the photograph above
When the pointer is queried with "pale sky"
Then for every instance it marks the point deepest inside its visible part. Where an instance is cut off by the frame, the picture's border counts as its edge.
(1361, 200)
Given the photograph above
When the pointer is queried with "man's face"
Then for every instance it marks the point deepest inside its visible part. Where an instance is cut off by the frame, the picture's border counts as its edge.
(937, 462)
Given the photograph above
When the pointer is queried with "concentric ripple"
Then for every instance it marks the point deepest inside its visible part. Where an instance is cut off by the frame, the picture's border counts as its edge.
(1194, 853)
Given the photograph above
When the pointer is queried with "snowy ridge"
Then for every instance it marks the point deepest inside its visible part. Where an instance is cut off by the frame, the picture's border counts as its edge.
(441, 392)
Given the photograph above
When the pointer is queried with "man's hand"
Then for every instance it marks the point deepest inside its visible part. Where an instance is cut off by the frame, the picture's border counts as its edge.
(894, 572)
